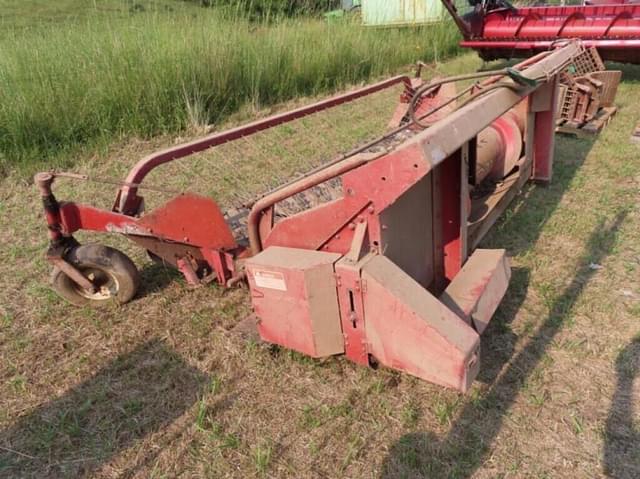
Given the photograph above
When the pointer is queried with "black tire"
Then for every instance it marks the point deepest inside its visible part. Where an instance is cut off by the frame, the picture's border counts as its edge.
(112, 271)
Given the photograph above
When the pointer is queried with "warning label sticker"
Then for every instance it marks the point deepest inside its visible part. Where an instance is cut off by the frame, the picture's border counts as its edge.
(269, 280)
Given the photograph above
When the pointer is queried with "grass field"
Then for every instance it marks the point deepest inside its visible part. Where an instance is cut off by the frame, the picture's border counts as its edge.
(163, 387)
(79, 75)
(35, 13)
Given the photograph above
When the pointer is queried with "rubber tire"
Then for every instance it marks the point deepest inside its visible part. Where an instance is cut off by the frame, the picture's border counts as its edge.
(115, 263)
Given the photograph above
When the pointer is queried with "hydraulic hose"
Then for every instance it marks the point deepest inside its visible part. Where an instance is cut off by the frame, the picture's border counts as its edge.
(424, 89)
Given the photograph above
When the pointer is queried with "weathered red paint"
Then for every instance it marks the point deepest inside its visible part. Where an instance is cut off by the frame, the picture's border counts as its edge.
(190, 219)
(313, 228)
(352, 314)
(321, 280)
(76, 216)
(410, 330)
(451, 221)
(267, 202)
(174, 221)
(543, 107)
(294, 296)
(187, 219)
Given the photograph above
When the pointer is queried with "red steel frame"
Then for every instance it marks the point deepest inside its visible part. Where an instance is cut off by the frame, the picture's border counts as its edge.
(208, 242)
(127, 201)
(190, 230)
(613, 27)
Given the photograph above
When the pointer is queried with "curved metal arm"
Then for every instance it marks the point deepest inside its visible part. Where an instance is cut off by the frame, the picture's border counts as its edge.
(463, 26)
(127, 201)
(266, 202)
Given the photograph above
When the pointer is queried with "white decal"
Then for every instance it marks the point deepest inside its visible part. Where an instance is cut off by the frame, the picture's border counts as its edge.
(270, 280)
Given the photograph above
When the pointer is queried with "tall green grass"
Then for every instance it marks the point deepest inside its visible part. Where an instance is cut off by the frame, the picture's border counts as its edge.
(72, 85)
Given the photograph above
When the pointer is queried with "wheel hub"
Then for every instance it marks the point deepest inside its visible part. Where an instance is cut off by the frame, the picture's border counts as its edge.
(106, 286)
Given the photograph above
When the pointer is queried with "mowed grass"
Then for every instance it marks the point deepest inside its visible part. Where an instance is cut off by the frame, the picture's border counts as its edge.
(90, 79)
(164, 387)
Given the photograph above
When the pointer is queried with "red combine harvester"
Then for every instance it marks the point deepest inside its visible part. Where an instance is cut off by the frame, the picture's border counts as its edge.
(497, 29)
(379, 260)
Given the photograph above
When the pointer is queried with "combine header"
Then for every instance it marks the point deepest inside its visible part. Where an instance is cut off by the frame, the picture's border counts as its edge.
(497, 29)
(370, 253)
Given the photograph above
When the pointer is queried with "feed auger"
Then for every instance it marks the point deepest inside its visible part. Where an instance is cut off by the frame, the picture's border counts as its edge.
(368, 251)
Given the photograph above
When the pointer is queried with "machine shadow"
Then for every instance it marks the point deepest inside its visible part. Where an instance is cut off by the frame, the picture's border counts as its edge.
(622, 439)
(136, 394)
(155, 277)
(497, 351)
(469, 440)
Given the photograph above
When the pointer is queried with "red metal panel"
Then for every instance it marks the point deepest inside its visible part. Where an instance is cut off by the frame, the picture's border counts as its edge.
(384, 180)
(75, 216)
(476, 292)
(188, 218)
(591, 22)
(294, 295)
(191, 219)
(368, 189)
(352, 314)
(312, 228)
(543, 105)
(410, 330)
(451, 220)
(268, 201)
(341, 241)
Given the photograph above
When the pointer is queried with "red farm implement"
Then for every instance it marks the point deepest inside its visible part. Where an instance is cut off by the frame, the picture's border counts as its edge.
(497, 29)
(370, 253)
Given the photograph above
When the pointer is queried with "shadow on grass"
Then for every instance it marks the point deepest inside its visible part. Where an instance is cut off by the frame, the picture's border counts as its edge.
(622, 440)
(469, 440)
(155, 277)
(497, 351)
(136, 394)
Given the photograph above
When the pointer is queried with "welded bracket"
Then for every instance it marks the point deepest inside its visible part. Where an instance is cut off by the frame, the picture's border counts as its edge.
(357, 244)
(351, 289)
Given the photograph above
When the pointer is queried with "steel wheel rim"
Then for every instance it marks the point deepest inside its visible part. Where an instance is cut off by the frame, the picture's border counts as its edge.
(106, 284)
